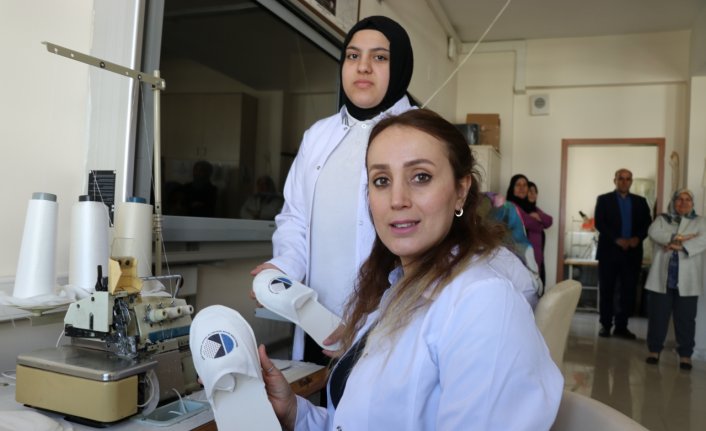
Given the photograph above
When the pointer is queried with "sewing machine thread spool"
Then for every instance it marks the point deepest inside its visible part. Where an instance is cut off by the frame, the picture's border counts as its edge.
(35, 274)
(89, 242)
(173, 312)
(187, 309)
(157, 315)
(133, 233)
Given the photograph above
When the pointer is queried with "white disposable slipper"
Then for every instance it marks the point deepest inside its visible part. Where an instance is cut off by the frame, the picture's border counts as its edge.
(297, 303)
(225, 357)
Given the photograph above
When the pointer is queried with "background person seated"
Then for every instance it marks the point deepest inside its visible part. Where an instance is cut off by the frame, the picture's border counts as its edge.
(265, 204)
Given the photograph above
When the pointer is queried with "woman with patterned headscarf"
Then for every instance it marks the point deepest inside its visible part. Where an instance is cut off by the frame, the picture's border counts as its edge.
(676, 276)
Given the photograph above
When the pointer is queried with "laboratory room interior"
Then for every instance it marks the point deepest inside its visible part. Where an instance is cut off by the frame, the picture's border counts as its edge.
(219, 93)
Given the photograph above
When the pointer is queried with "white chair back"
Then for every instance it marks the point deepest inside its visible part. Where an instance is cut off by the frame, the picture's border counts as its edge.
(554, 313)
(581, 413)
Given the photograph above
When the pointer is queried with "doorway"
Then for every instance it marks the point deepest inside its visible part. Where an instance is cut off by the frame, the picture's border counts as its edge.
(587, 170)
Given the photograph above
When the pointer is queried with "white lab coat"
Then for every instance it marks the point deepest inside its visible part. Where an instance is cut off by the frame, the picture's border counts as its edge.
(474, 360)
(291, 240)
(691, 260)
(511, 267)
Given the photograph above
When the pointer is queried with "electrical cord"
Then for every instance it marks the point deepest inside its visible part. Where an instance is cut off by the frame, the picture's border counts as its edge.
(148, 380)
(9, 375)
(460, 65)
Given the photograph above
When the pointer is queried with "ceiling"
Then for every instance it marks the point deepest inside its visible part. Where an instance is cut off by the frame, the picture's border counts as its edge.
(538, 19)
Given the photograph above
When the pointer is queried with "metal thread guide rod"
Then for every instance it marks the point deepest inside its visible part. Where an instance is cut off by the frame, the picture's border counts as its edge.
(158, 85)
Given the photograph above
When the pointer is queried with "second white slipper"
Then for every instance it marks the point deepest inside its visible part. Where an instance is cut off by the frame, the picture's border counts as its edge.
(225, 356)
(297, 303)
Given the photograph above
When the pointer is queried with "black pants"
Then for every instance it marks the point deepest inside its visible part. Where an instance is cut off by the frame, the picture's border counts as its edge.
(683, 309)
(617, 284)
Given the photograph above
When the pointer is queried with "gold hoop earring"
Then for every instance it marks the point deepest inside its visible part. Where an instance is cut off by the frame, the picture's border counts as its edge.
(458, 213)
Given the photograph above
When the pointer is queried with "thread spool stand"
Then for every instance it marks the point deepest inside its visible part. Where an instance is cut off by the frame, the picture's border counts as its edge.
(158, 85)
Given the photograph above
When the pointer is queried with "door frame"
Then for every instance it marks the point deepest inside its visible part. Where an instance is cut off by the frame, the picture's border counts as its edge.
(566, 144)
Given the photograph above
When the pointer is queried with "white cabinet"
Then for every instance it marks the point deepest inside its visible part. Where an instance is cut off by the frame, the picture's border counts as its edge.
(488, 160)
(590, 294)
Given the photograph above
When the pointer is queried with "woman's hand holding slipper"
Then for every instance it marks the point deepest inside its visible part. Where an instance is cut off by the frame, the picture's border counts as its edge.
(225, 356)
(333, 340)
(297, 303)
(258, 269)
(279, 392)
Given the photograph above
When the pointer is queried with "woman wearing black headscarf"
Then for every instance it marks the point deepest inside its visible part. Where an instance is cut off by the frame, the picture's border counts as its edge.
(534, 219)
(324, 232)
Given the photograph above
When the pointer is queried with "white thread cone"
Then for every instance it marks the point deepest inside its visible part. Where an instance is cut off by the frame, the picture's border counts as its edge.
(133, 234)
(36, 267)
(89, 243)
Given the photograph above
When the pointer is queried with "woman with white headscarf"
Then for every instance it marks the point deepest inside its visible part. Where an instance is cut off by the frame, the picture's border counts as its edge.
(676, 276)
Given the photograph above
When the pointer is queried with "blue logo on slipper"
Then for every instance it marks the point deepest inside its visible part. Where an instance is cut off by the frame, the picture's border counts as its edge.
(280, 284)
(218, 344)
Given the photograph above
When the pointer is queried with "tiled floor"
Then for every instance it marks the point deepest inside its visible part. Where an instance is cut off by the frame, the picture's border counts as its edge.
(612, 370)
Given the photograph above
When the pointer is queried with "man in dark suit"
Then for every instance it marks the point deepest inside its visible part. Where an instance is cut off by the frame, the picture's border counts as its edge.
(622, 219)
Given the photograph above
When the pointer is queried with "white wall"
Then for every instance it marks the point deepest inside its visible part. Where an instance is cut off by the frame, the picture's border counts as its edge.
(696, 181)
(605, 87)
(486, 85)
(608, 60)
(55, 135)
(698, 45)
(44, 115)
(696, 155)
(431, 64)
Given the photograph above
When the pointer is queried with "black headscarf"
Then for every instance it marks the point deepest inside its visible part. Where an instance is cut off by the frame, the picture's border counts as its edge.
(401, 64)
(524, 204)
(532, 205)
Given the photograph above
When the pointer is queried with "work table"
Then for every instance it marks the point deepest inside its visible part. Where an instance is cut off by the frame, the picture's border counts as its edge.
(305, 379)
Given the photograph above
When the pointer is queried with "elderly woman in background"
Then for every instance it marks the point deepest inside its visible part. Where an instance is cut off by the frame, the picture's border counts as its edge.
(676, 276)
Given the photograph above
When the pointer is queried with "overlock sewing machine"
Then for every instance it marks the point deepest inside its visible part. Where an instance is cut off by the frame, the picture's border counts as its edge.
(123, 347)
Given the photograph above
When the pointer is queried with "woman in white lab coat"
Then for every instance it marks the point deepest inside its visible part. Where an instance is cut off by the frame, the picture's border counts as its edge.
(324, 232)
(436, 338)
